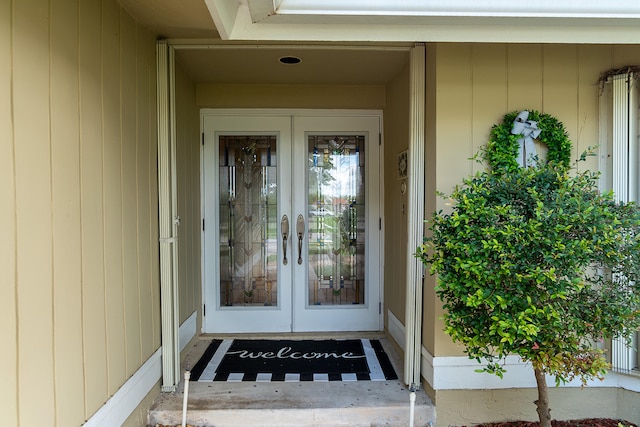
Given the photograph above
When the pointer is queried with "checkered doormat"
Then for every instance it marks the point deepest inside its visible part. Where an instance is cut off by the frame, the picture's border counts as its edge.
(293, 360)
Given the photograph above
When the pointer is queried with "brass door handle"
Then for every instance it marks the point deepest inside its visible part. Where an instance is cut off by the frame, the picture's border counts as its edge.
(300, 232)
(284, 229)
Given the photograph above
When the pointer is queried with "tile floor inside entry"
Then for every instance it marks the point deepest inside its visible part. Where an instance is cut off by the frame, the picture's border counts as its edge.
(226, 404)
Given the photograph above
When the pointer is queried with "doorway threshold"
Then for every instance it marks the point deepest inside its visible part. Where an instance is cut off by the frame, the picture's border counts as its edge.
(335, 403)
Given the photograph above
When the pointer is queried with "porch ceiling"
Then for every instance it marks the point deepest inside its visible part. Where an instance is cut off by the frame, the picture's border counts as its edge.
(255, 64)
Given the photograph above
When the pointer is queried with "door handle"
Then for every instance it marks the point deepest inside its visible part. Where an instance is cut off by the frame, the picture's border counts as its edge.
(300, 232)
(284, 229)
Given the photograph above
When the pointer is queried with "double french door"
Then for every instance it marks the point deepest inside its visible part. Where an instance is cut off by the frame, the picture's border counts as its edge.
(291, 238)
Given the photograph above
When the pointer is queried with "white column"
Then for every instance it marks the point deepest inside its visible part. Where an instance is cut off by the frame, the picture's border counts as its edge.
(415, 217)
(167, 219)
(625, 169)
(621, 136)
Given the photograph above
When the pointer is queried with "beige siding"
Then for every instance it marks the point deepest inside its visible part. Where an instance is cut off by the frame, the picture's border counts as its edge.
(113, 200)
(79, 311)
(92, 223)
(469, 407)
(592, 60)
(430, 188)
(34, 260)
(8, 273)
(130, 224)
(290, 96)
(489, 69)
(472, 87)
(188, 171)
(524, 76)
(476, 84)
(66, 187)
(396, 140)
(147, 194)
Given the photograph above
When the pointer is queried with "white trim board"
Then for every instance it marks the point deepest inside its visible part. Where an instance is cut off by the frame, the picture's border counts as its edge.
(122, 404)
(458, 372)
(396, 329)
(466, 21)
(188, 330)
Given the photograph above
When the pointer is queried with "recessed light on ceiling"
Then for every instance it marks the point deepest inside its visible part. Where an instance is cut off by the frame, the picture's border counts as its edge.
(290, 60)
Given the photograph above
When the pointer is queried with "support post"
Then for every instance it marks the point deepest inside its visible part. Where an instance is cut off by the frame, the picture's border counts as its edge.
(167, 217)
(415, 218)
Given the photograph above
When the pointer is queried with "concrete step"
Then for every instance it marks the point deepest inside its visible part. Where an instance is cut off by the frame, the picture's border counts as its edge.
(354, 404)
(282, 404)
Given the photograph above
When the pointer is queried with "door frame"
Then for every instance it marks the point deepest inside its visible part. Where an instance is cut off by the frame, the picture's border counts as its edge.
(320, 113)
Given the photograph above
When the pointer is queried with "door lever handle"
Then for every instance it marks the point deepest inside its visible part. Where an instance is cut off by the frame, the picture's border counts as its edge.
(300, 232)
(284, 229)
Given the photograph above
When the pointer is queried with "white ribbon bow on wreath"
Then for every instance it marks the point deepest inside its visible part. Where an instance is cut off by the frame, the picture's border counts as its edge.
(529, 131)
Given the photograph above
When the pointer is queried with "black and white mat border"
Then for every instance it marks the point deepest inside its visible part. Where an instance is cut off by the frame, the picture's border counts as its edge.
(376, 371)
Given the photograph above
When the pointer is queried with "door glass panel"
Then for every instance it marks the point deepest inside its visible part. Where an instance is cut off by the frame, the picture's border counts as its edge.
(248, 221)
(336, 212)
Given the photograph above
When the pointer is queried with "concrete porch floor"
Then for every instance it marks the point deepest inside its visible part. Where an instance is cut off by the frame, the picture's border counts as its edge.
(355, 404)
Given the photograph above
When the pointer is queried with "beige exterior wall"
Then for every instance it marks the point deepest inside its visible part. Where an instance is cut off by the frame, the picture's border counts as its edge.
(472, 86)
(430, 303)
(290, 96)
(467, 407)
(79, 302)
(396, 138)
(469, 88)
(628, 407)
(188, 181)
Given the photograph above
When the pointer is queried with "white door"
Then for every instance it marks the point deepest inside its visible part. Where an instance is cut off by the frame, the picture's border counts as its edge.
(291, 237)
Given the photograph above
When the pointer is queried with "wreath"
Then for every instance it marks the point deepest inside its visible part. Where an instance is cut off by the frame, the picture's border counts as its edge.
(506, 142)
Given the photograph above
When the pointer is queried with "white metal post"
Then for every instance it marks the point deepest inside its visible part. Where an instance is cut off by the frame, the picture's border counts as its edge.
(415, 217)
(167, 218)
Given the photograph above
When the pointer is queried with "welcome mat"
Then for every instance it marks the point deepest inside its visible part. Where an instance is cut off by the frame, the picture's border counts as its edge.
(293, 360)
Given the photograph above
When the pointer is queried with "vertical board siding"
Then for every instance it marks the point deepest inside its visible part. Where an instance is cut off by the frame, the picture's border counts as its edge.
(195, 218)
(396, 140)
(560, 87)
(557, 79)
(592, 61)
(455, 115)
(489, 83)
(560, 80)
(65, 183)
(144, 160)
(153, 201)
(181, 83)
(31, 87)
(188, 175)
(77, 180)
(431, 187)
(93, 291)
(113, 200)
(8, 309)
(524, 77)
(154, 285)
(129, 193)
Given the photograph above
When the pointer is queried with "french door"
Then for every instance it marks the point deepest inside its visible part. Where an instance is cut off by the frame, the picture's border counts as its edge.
(291, 238)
